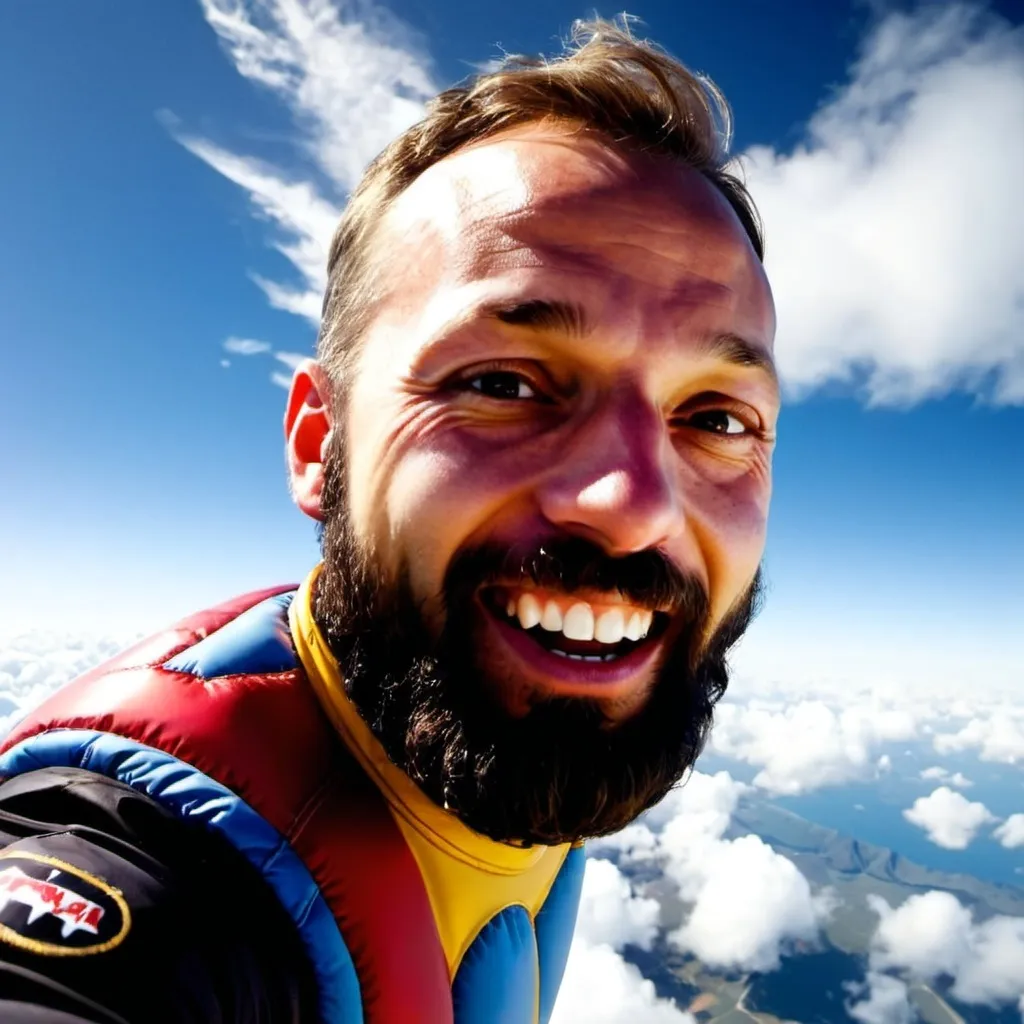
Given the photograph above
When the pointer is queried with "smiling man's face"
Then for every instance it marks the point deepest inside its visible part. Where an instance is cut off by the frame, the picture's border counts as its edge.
(556, 448)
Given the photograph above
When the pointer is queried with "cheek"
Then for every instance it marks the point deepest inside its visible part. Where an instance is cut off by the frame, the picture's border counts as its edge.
(444, 486)
(729, 516)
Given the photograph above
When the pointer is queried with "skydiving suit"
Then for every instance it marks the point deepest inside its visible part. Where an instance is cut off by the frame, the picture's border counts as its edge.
(204, 830)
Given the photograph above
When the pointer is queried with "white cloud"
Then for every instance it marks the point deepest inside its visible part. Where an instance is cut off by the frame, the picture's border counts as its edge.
(353, 76)
(998, 736)
(246, 346)
(1011, 833)
(282, 380)
(701, 806)
(933, 934)
(599, 985)
(722, 879)
(35, 664)
(729, 878)
(601, 988)
(949, 818)
(894, 245)
(940, 774)
(926, 936)
(885, 1000)
(290, 359)
(807, 744)
(635, 842)
(610, 914)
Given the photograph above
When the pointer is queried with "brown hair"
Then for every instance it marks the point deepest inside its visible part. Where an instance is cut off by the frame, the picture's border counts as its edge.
(606, 82)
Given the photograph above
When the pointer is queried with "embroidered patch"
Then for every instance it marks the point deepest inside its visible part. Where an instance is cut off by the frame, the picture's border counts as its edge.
(50, 907)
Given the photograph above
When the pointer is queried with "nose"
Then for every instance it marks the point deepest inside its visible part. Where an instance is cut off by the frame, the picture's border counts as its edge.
(617, 483)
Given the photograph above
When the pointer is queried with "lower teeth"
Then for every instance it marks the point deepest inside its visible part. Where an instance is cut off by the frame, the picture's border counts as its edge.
(583, 657)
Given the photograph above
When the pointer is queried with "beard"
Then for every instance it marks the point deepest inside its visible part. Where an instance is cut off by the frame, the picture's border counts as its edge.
(562, 772)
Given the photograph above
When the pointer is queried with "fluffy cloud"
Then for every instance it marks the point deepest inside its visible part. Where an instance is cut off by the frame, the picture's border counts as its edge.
(718, 879)
(610, 914)
(884, 1000)
(730, 878)
(940, 774)
(893, 249)
(601, 988)
(722, 879)
(636, 842)
(949, 818)
(1011, 832)
(807, 744)
(599, 984)
(998, 735)
(932, 934)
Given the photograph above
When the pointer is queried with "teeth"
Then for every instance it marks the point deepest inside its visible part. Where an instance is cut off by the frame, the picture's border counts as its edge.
(551, 620)
(528, 610)
(610, 626)
(584, 657)
(579, 622)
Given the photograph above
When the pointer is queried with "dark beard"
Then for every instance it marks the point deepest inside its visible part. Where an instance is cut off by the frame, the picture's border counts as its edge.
(560, 773)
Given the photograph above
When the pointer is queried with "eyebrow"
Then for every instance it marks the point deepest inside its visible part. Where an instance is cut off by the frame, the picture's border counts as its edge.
(571, 318)
(736, 350)
(542, 315)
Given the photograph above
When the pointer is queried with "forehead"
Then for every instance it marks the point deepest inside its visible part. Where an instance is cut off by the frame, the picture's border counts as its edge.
(646, 230)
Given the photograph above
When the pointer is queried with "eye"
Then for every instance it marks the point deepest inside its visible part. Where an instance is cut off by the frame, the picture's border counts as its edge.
(718, 421)
(503, 385)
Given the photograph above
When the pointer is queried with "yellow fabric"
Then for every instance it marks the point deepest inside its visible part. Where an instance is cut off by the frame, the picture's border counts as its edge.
(468, 877)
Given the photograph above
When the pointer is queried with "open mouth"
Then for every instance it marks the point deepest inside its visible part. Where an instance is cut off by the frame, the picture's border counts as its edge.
(599, 631)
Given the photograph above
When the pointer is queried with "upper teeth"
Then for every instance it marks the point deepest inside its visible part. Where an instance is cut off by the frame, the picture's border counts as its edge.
(578, 621)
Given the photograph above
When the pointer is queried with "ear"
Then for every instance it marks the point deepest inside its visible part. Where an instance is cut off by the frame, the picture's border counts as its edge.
(307, 427)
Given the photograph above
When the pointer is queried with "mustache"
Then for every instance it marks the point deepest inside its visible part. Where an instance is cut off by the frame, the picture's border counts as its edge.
(646, 578)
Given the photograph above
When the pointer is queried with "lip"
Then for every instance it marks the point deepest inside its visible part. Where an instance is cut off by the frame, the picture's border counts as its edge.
(564, 677)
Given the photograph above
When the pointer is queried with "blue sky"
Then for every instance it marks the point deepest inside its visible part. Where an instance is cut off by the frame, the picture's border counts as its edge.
(146, 183)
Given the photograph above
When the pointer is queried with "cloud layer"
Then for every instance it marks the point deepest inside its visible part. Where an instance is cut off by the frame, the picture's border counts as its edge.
(805, 744)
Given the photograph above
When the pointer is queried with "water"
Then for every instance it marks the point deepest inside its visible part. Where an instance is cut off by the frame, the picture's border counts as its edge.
(808, 988)
(873, 811)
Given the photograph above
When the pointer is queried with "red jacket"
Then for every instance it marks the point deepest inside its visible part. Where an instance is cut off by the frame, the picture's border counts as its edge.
(194, 717)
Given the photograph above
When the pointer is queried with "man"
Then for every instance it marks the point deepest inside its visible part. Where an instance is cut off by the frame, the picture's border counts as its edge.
(538, 438)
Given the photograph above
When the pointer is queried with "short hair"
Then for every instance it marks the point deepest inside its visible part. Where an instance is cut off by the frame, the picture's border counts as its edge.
(606, 82)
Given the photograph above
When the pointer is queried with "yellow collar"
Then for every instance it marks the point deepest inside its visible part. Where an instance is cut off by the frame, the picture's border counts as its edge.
(434, 824)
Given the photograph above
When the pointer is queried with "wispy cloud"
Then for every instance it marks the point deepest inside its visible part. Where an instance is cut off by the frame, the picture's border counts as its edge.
(246, 346)
(352, 76)
(894, 238)
(290, 359)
